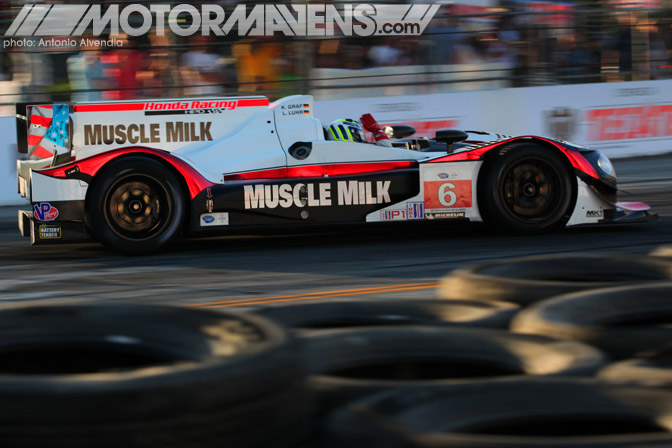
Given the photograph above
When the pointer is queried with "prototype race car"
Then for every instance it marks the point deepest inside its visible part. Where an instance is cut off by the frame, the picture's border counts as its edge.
(139, 173)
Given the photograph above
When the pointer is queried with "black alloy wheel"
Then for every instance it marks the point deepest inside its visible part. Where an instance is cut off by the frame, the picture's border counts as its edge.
(527, 189)
(135, 205)
(531, 188)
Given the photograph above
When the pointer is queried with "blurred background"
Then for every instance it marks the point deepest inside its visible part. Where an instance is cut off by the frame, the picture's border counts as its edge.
(469, 45)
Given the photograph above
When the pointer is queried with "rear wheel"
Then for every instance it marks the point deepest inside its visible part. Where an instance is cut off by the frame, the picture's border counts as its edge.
(527, 189)
(135, 205)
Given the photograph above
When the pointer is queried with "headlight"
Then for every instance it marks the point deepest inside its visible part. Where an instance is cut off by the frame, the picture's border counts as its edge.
(605, 165)
(602, 166)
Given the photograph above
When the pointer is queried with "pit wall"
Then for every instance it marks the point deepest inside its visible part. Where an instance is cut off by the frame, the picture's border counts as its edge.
(620, 119)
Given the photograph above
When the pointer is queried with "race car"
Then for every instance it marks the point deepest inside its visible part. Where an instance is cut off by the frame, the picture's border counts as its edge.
(137, 174)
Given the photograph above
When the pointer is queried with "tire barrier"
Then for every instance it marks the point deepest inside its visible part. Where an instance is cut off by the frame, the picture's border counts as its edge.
(540, 413)
(663, 251)
(651, 370)
(352, 313)
(620, 321)
(348, 364)
(528, 280)
(109, 376)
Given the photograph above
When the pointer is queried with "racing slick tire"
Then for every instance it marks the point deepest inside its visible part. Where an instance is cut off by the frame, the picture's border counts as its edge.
(360, 313)
(531, 279)
(135, 205)
(110, 376)
(527, 189)
(525, 413)
(347, 364)
(620, 321)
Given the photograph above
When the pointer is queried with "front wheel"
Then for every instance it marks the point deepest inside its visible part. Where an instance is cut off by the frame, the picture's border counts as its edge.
(135, 205)
(527, 189)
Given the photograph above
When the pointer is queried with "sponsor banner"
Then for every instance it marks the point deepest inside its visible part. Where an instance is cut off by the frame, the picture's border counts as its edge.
(426, 113)
(620, 119)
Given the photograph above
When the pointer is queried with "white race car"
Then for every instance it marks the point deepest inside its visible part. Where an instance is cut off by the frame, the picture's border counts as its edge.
(137, 174)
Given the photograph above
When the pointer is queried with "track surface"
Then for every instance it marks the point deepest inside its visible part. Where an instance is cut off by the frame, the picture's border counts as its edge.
(383, 261)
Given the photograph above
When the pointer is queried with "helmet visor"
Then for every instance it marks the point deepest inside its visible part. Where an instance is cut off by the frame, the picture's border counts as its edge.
(357, 134)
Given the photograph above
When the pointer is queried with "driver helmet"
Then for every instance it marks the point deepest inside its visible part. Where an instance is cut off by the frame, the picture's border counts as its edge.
(347, 130)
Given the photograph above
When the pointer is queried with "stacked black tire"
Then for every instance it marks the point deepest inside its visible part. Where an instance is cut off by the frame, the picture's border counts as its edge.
(84, 376)
(540, 381)
(564, 351)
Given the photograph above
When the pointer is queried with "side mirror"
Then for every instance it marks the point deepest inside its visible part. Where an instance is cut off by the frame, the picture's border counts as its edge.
(399, 131)
(450, 136)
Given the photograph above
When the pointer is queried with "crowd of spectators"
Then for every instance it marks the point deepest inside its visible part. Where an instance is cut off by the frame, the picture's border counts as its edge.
(587, 43)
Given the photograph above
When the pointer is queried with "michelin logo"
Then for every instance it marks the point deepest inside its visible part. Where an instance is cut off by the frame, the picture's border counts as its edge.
(317, 194)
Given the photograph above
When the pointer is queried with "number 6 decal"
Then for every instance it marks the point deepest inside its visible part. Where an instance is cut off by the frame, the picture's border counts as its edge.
(453, 194)
(447, 196)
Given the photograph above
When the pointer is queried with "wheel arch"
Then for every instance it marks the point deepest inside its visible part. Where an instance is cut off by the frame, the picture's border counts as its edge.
(498, 151)
(490, 157)
(147, 234)
(184, 187)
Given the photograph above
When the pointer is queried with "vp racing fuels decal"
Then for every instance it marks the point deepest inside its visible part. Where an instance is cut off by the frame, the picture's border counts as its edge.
(45, 212)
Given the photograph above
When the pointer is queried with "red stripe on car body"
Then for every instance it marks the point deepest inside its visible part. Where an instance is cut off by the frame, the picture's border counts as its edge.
(575, 158)
(306, 171)
(256, 102)
(91, 165)
(125, 107)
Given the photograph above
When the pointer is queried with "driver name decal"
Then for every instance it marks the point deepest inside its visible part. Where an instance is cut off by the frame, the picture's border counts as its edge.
(320, 194)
